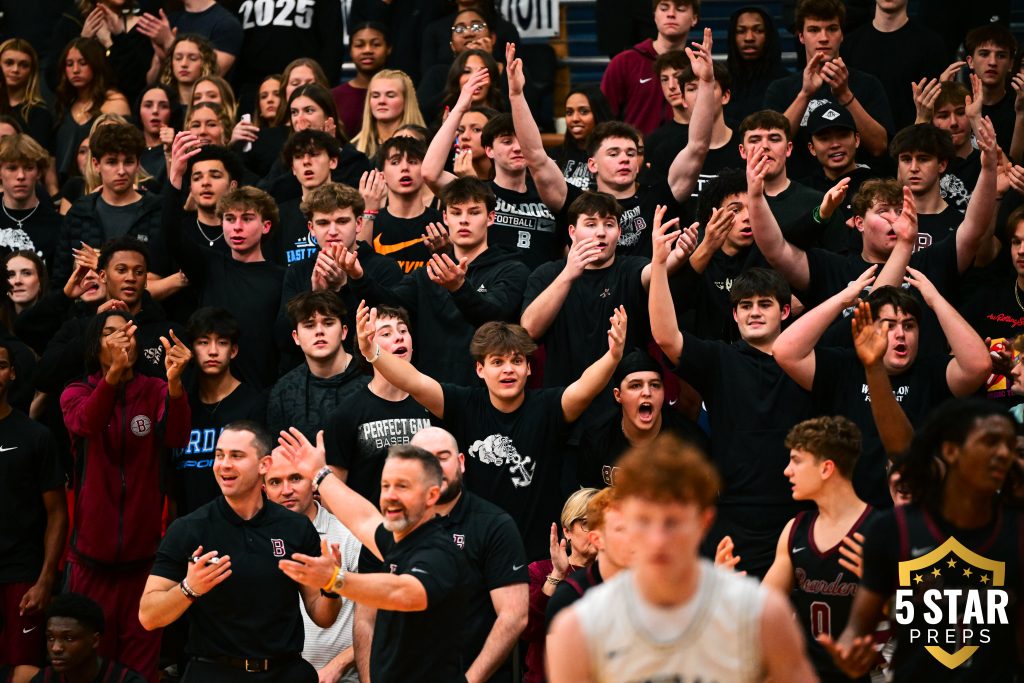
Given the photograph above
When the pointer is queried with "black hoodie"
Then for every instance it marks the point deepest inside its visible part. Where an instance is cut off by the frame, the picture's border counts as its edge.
(749, 80)
(443, 321)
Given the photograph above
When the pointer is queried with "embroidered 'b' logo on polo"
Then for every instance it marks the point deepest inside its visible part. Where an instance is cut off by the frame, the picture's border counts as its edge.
(278, 547)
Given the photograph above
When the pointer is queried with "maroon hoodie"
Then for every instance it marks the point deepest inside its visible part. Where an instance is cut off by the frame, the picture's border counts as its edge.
(634, 90)
(119, 435)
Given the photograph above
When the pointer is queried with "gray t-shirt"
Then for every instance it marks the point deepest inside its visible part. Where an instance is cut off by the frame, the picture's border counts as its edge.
(117, 220)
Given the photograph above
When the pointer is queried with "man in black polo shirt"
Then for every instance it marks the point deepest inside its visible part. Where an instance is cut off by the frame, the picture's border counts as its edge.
(499, 596)
(222, 556)
(421, 603)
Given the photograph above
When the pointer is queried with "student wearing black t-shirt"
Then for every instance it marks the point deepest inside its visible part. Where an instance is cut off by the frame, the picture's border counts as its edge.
(948, 111)
(639, 390)
(513, 434)
(211, 19)
(311, 155)
(371, 419)
(663, 143)
(421, 605)
(247, 216)
(227, 565)
(827, 77)
(568, 302)
(922, 153)
(990, 51)
(958, 474)
(216, 398)
(922, 378)
(521, 220)
(34, 526)
(454, 294)
(26, 222)
(397, 230)
(822, 547)
(751, 405)
(497, 589)
(614, 159)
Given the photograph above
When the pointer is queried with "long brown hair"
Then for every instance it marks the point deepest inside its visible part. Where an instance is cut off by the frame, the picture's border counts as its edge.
(95, 56)
(33, 98)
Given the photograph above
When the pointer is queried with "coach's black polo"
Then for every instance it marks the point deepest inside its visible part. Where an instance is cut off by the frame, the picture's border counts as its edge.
(490, 542)
(254, 613)
(422, 646)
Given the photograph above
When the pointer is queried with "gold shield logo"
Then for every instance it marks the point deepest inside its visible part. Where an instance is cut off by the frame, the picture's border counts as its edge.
(973, 572)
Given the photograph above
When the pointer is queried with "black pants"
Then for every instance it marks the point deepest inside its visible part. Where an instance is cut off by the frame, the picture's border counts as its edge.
(299, 671)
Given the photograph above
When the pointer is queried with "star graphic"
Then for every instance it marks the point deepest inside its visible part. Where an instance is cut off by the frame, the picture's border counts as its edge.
(984, 579)
(967, 572)
(917, 578)
(951, 563)
(936, 572)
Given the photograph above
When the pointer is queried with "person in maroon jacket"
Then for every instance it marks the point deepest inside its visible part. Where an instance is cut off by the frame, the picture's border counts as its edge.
(120, 423)
(630, 84)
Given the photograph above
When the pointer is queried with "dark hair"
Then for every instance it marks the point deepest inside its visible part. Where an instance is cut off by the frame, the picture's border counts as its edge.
(990, 33)
(897, 297)
(500, 338)
(309, 141)
(692, 4)
(923, 137)
(305, 305)
(422, 134)
(394, 313)
(95, 55)
(766, 119)
(599, 107)
(8, 346)
(1012, 221)
(262, 439)
(594, 204)
(886, 190)
(759, 282)
(330, 197)
(256, 117)
(92, 339)
(770, 63)
(452, 89)
(669, 470)
(730, 181)
(922, 468)
(12, 121)
(82, 609)
(211, 320)
(116, 138)
(822, 10)
(431, 465)
(828, 438)
(951, 92)
(373, 26)
(722, 75)
(123, 243)
(401, 146)
(673, 59)
(496, 127)
(611, 129)
(172, 99)
(322, 97)
(232, 165)
(469, 189)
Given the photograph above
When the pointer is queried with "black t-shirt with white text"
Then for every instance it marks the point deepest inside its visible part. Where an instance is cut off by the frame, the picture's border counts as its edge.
(522, 221)
(933, 227)
(637, 219)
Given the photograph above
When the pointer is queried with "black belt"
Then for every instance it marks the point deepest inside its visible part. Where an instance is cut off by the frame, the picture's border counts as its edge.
(250, 665)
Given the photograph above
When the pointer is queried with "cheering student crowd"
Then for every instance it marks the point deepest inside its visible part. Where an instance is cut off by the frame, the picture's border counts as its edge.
(300, 379)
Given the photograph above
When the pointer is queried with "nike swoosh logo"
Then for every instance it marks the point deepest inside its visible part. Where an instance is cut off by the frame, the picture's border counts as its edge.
(517, 567)
(796, 550)
(4, 450)
(417, 570)
(645, 80)
(29, 630)
(385, 249)
(920, 551)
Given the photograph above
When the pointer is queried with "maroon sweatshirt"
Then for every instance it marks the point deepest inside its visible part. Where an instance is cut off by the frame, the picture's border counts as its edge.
(634, 90)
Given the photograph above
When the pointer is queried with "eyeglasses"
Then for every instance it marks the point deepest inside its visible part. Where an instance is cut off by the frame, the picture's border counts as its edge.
(475, 27)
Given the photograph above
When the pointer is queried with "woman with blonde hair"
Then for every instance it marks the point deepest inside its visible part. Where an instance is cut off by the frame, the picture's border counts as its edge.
(20, 65)
(299, 72)
(215, 89)
(190, 58)
(390, 104)
(210, 123)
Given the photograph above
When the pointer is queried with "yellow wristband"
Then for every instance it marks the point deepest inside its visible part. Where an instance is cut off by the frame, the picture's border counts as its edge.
(334, 577)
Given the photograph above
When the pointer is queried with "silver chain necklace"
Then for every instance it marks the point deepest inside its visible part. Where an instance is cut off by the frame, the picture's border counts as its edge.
(3, 205)
(201, 232)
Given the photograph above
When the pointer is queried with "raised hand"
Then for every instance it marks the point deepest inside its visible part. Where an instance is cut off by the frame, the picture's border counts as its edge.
(559, 558)
(581, 254)
(662, 237)
(436, 238)
(244, 131)
(617, 332)
(1017, 83)
(925, 93)
(757, 169)
(442, 270)
(176, 357)
(514, 71)
(972, 105)
(349, 261)
(119, 343)
(184, 147)
(314, 572)
(852, 550)
(307, 458)
(157, 29)
(700, 58)
(463, 166)
(852, 293)
(724, 556)
(985, 136)
(835, 73)
(476, 83)
(813, 78)
(950, 72)
(717, 229)
(327, 273)
(870, 341)
(373, 189)
(206, 571)
(916, 279)
(833, 199)
(905, 225)
(686, 243)
(366, 328)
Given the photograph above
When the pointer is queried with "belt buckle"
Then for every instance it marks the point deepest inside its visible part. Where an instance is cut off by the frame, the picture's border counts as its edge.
(256, 666)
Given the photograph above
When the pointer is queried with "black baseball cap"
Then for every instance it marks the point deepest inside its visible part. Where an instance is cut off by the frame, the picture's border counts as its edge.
(829, 114)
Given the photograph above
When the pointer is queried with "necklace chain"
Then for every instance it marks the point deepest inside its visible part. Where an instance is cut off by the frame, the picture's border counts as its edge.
(1016, 295)
(3, 205)
(203, 233)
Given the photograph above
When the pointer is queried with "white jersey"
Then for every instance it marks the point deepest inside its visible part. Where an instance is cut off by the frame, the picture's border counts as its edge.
(713, 638)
